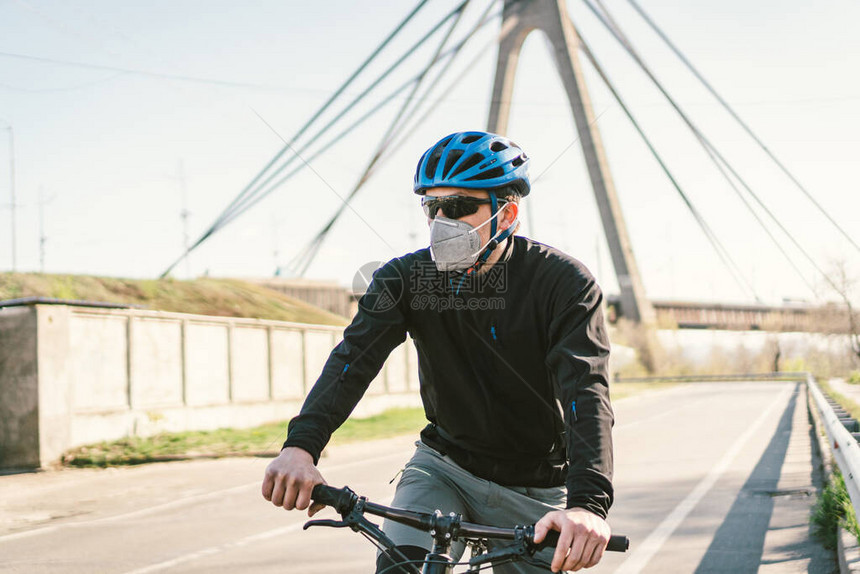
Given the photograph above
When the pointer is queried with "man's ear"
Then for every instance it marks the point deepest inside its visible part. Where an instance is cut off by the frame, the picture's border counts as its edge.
(510, 215)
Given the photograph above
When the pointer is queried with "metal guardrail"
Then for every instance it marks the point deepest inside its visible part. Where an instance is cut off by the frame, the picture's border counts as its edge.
(778, 376)
(846, 450)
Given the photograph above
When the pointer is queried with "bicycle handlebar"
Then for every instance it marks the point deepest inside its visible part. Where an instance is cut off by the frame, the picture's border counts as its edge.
(343, 500)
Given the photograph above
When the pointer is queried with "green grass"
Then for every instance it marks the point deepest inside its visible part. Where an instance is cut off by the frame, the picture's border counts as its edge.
(219, 297)
(849, 405)
(261, 440)
(832, 510)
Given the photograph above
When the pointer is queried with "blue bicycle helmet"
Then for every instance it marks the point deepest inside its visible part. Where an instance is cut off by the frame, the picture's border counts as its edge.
(473, 160)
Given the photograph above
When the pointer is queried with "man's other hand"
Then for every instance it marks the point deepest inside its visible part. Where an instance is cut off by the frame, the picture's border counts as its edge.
(582, 538)
(290, 479)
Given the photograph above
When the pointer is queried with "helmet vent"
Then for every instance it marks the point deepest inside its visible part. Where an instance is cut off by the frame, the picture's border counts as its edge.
(433, 160)
(517, 161)
(452, 158)
(489, 174)
(471, 138)
(470, 162)
(498, 146)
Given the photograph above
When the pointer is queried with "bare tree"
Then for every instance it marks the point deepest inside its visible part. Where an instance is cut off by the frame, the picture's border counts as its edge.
(843, 317)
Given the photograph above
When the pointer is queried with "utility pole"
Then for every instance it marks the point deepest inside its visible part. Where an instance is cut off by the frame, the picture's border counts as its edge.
(276, 253)
(13, 206)
(519, 19)
(42, 237)
(184, 214)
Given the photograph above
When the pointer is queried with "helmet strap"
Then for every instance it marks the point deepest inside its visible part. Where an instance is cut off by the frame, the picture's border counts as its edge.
(494, 208)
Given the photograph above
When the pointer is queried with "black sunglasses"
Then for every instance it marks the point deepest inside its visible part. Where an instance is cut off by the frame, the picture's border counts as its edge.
(453, 206)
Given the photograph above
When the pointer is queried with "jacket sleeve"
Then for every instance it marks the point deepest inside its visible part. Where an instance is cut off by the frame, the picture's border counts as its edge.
(377, 328)
(578, 361)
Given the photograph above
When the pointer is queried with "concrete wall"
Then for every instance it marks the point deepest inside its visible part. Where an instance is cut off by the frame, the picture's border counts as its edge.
(73, 375)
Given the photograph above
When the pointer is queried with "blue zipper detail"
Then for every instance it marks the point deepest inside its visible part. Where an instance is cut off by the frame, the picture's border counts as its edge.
(573, 410)
(493, 332)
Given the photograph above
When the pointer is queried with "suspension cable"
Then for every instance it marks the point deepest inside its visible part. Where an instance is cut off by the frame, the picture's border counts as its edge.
(606, 19)
(306, 257)
(738, 119)
(721, 251)
(288, 145)
(240, 207)
(264, 193)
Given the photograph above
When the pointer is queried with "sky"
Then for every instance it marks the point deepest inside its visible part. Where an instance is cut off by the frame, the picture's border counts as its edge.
(124, 114)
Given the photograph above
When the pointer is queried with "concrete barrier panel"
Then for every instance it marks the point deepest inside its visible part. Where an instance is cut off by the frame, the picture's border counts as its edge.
(207, 366)
(98, 361)
(287, 365)
(377, 385)
(396, 377)
(19, 396)
(412, 368)
(156, 362)
(250, 363)
(74, 375)
(318, 346)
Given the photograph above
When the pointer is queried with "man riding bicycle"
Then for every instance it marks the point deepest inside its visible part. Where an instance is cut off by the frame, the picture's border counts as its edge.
(512, 356)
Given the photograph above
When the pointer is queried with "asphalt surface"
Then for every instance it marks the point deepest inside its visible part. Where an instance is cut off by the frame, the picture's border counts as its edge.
(710, 477)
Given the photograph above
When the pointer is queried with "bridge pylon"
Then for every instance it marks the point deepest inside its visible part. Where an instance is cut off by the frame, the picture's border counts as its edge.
(520, 18)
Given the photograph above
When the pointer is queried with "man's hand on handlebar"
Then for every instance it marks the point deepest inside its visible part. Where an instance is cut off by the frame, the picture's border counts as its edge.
(582, 539)
(289, 480)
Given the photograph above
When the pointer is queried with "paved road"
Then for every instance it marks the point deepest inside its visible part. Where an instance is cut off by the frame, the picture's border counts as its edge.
(712, 477)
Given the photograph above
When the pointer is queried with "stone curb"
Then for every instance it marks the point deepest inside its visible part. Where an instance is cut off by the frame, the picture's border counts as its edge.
(849, 552)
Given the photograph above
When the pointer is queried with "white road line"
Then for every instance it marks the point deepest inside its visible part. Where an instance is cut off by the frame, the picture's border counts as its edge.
(178, 503)
(224, 547)
(659, 416)
(652, 544)
(216, 549)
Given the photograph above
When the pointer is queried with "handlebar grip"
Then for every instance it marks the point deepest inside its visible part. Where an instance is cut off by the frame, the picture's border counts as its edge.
(617, 542)
(341, 499)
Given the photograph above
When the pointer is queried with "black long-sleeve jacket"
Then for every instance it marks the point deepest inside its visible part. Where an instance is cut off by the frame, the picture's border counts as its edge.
(512, 365)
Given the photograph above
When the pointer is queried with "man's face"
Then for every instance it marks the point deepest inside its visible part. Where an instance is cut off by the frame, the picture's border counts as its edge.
(484, 211)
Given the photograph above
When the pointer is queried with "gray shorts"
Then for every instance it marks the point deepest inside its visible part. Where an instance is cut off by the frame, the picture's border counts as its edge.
(432, 481)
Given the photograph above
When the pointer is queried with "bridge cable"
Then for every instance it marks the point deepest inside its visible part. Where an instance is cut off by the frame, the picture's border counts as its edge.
(325, 147)
(246, 200)
(304, 259)
(304, 128)
(264, 193)
(737, 118)
(589, 54)
(315, 244)
(240, 197)
(722, 252)
(709, 148)
(297, 153)
(712, 151)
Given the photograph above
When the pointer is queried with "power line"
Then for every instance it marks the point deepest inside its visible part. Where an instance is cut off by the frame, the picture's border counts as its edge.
(137, 72)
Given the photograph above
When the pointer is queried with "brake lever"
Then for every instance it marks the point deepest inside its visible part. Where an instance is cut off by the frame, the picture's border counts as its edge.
(326, 522)
(510, 551)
